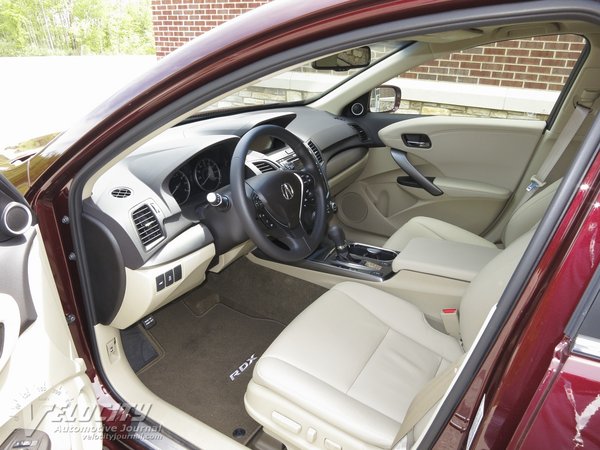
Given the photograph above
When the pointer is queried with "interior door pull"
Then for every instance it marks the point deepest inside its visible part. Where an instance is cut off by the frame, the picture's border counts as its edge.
(402, 160)
(416, 140)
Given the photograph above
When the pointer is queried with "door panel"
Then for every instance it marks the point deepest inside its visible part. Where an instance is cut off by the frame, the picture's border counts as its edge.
(43, 386)
(10, 322)
(45, 394)
(477, 163)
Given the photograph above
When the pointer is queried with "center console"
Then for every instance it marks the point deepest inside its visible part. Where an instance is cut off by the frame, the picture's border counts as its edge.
(361, 261)
(336, 256)
(350, 259)
(433, 274)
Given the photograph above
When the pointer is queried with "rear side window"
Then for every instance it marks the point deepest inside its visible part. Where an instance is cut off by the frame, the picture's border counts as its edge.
(516, 79)
(584, 326)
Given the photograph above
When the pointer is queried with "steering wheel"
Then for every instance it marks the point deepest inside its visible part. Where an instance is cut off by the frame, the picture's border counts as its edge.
(271, 205)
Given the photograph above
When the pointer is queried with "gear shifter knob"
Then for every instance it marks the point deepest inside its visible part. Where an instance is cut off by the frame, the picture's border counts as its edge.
(336, 234)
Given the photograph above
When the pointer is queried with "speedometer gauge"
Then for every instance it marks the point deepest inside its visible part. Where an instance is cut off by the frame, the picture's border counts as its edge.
(208, 175)
(180, 187)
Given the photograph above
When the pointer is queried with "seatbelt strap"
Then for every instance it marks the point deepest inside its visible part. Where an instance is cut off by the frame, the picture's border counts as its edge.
(427, 398)
(566, 136)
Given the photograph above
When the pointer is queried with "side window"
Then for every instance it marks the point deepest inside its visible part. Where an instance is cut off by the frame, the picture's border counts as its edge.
(583, 327)
(517, 79)
(587, 340)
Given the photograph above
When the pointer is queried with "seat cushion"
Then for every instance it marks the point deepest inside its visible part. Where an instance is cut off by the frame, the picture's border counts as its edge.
(355, 359)
(426, 227)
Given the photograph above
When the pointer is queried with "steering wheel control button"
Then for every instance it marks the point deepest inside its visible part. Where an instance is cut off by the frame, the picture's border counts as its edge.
(177, 273)
(257, 203)
(160, 283)
(265, 220)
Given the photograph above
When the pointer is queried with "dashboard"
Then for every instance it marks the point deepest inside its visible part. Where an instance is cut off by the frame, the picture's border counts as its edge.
(150, 233)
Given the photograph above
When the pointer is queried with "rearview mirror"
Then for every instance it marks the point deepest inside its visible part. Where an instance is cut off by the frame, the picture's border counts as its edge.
(385, 99)
(355, 58)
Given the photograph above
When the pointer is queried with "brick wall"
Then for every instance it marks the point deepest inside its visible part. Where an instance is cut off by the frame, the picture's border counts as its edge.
(179, 21)
(536, 63)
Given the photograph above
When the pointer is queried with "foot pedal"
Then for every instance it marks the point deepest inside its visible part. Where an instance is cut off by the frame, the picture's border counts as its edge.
(148, 322)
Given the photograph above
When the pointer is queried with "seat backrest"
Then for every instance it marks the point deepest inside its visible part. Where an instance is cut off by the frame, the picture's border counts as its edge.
(529, 213)
(487, 287)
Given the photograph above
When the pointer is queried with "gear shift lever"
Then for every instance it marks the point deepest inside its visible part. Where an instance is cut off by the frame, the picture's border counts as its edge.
(336, 234)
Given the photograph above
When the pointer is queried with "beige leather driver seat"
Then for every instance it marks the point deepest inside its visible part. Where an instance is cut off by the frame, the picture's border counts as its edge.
(521, 220)
(345, 373)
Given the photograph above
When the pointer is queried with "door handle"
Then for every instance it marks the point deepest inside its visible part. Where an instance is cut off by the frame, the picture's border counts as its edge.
(416, 140)
(402, 160)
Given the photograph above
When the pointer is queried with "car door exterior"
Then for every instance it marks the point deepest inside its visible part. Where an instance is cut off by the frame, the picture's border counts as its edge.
(46, 397)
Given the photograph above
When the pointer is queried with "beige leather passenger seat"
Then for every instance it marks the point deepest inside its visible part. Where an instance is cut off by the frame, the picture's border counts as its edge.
(345, 373)
(522, 219)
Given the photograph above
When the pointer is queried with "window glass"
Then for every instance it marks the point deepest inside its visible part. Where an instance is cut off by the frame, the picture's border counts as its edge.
(301, 83)
(518, 79)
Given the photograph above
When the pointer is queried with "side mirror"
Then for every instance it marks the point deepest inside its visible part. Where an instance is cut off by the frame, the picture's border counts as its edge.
(355, 58)
(385, 99)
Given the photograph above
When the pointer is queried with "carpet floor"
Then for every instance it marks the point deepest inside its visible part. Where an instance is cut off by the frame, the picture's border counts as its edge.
(201, 355)
(221, 327)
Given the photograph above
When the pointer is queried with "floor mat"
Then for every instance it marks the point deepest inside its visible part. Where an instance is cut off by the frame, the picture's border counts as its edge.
(259, 292)
(202, 354)
(139, 348)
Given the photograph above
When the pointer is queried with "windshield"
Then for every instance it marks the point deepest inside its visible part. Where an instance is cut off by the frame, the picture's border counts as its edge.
(300, 83)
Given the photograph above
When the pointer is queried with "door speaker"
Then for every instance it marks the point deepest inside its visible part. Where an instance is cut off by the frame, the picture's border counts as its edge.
(15, 219)
(354, 207)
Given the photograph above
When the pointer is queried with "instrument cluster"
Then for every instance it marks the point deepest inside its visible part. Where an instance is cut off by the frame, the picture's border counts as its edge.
(205, 173)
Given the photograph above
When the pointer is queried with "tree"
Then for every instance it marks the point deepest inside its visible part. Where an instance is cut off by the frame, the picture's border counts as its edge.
(47, 27)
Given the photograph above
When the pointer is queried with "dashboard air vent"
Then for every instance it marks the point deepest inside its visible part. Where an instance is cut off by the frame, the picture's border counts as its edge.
(315, 151)
(264, 166)
(362, 134)
(147, 225)
(121, 192)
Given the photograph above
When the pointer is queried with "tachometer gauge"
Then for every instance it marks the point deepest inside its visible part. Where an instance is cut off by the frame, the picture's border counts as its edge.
(180, 187)
(208, 175)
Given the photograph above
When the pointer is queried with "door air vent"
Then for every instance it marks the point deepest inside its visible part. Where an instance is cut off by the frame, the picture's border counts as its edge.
(147, 225)
(264, 166)
(315, 151)
(362, 134)
(121, 192)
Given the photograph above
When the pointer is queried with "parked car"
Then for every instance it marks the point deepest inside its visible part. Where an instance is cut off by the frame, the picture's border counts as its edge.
(323, 225)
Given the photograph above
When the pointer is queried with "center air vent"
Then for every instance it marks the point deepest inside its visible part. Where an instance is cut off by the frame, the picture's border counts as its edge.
(121, 192)
(315, 151)
(147, 225)
(362, 134)
(264, 166)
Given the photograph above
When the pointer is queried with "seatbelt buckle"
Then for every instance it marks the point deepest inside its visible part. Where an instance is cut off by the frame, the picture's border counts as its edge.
(534, 184)
(450, 321)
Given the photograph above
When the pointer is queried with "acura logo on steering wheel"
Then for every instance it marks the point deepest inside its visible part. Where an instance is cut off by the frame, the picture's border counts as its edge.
(287, 191)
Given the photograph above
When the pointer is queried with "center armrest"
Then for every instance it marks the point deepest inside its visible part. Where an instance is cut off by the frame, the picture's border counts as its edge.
(444, 258)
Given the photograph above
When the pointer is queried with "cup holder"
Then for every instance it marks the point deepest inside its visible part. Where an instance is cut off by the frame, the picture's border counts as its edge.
(363, 251)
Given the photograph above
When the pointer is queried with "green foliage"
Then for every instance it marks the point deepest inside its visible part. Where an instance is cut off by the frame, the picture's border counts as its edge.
(73, 27)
